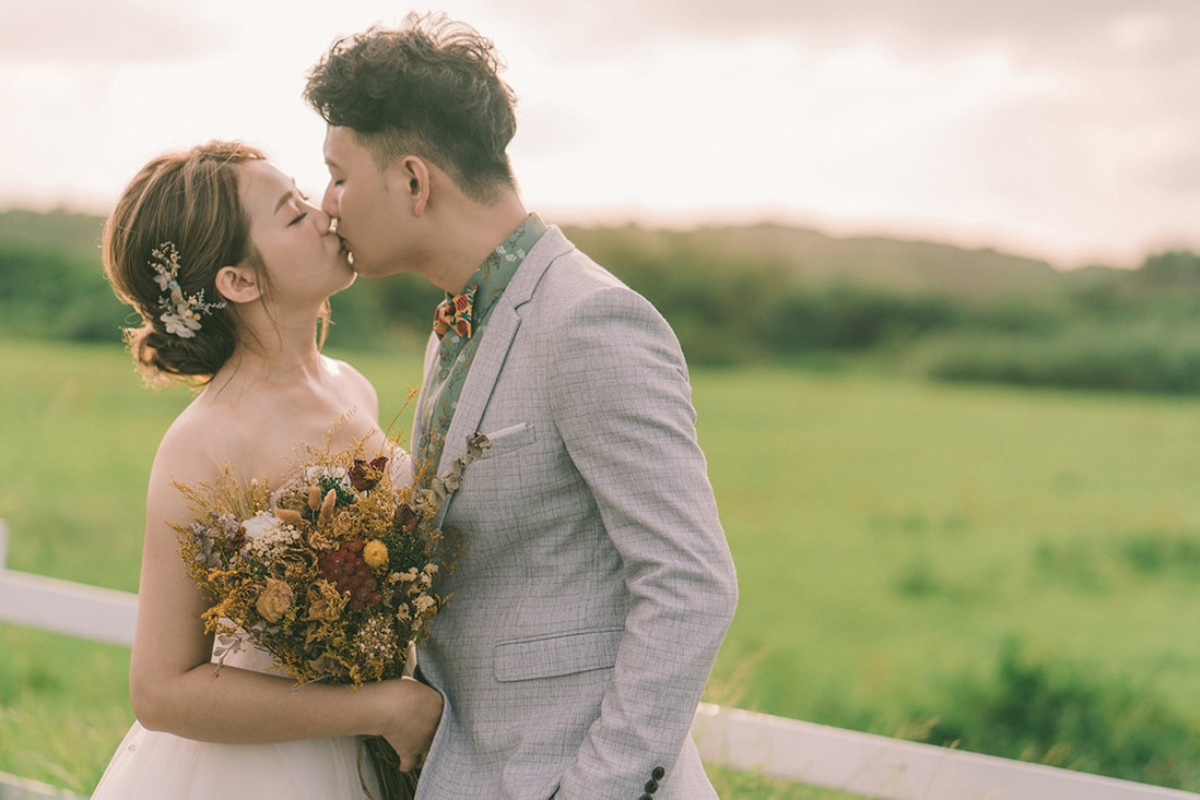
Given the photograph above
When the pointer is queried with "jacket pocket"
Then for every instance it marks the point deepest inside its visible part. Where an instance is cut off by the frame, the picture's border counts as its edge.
(507, 440)
(551, 656)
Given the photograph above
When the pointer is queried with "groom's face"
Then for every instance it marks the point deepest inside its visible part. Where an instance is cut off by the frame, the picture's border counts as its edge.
(371, 213)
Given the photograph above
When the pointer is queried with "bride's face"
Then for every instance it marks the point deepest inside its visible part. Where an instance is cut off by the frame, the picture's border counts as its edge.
(304, 261)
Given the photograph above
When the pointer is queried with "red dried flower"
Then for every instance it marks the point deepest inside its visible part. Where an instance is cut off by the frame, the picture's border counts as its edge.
(346, 569)
(364, 475)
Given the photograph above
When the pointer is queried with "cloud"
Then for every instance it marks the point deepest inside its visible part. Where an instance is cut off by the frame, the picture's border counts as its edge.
(927, 22)
(1033, 30)
(80, 31)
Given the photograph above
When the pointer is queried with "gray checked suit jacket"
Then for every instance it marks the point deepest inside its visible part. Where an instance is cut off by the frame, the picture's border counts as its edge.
(597, 584)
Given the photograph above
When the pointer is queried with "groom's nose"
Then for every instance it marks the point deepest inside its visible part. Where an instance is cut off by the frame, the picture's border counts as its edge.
(329, 201)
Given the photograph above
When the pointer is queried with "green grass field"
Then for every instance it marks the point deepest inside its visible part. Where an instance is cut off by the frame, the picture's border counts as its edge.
(892, 537)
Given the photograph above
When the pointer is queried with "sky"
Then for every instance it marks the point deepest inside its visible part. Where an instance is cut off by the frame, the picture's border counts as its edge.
(1060, 129)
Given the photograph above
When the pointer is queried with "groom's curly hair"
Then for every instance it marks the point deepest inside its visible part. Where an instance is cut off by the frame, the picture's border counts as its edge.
(429, 88)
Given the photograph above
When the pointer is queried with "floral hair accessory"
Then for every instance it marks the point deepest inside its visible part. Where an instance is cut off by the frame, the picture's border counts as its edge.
(181, 313)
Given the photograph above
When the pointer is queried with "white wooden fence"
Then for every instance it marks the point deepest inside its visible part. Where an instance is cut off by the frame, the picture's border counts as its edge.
(802, 752)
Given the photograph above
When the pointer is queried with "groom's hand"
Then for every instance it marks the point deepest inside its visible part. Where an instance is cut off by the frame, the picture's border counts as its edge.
(417, 710)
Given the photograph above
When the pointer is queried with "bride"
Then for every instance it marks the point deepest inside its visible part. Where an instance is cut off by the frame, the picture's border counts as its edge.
(231, 269)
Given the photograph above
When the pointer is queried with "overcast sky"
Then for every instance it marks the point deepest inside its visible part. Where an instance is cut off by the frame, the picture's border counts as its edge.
(1064, 129)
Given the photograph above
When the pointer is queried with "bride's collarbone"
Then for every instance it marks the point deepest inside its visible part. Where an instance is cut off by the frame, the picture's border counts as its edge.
(297, 407)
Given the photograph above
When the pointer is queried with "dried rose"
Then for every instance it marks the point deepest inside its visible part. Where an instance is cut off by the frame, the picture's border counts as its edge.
(290, 566)
(325, 602)
(274, 601)
(406, 518)
(365, 475)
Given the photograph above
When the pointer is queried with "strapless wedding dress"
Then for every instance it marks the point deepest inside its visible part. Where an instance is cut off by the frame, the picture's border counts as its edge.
(150, 765)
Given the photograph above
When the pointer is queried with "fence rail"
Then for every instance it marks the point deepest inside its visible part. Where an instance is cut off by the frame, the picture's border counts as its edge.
(802, 752)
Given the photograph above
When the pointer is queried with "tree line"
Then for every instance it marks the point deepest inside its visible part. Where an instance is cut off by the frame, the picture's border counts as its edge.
(761, 294)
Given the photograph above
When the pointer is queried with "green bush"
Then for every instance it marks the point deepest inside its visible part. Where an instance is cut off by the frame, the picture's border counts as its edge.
(848, 317)
(1053, 714)
(1150, 356)
(384, 314)
(56, 294)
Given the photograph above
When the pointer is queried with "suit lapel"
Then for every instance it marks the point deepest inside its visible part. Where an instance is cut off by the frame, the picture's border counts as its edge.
(498, 336)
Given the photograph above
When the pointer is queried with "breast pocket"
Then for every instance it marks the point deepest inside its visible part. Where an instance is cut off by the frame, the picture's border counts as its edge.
(510, 439)
(552, 656)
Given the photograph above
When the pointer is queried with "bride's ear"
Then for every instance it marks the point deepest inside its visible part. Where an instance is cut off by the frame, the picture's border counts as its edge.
(238, 284)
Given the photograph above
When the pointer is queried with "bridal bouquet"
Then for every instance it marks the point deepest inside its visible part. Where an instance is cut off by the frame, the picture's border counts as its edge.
(333, 573)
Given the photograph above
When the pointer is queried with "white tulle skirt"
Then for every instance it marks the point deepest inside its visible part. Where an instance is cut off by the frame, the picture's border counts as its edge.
(150, 765)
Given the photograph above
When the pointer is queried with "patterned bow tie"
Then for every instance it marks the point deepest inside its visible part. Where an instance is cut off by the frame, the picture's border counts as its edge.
(454, 313)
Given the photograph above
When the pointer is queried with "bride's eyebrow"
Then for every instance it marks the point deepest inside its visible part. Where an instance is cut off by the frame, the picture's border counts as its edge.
(286, 196)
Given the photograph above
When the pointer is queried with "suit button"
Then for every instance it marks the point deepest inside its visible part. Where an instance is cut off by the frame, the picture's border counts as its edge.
(658, 773)
(651, 787)
(645, 797)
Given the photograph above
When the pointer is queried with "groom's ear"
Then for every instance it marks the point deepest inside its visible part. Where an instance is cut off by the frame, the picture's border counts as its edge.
(414, 172)
(238, 284)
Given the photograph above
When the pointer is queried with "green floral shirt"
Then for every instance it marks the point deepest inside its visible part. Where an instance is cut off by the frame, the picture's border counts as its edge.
(439, 395)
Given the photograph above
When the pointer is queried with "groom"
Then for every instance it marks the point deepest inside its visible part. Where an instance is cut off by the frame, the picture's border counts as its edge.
(597, 584)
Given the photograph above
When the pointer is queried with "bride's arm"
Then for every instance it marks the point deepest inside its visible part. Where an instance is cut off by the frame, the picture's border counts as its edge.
(172, 683)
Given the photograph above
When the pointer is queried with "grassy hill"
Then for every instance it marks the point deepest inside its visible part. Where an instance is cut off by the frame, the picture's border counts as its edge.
(811, 256)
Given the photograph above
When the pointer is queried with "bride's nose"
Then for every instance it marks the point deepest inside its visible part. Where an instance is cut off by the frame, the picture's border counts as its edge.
(325, 223)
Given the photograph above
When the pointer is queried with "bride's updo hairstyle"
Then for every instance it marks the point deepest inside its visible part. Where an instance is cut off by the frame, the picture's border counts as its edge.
(185, 205)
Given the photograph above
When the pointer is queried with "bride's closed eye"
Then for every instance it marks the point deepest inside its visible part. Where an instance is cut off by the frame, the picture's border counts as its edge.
(300, 204)
(303, 211)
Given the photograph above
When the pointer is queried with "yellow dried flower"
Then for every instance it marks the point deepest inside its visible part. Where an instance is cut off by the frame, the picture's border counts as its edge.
(274, 601)
(375, 553)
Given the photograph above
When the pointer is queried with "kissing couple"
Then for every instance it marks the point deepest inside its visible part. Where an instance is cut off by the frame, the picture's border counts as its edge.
(596, 586)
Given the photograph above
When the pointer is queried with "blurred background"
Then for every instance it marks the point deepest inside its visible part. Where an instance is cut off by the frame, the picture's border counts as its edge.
(935, 267)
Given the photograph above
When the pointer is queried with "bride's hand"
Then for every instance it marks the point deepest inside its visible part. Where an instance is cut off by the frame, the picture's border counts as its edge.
(413, 721)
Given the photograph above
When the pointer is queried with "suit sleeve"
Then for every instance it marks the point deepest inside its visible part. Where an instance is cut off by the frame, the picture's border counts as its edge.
(620, 397)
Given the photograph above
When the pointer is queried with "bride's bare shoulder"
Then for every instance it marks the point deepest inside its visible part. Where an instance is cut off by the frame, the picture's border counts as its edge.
(197, 445)
(361, 390)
